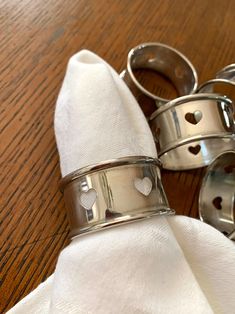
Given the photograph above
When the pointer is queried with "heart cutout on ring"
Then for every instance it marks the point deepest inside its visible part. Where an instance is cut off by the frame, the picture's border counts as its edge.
(217, 202)
(88, 198)
(194, 149)
(144, 186)
(193, 118)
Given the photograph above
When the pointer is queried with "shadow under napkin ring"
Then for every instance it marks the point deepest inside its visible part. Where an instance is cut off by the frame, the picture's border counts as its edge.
(191, 131)
(165, 60)
(113, 192)
(217, 194)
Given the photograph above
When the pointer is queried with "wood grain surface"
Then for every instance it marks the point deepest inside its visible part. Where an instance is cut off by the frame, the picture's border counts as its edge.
(37, 38)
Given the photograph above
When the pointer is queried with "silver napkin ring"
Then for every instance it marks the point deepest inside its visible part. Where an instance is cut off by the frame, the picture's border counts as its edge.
(223, 84)
(114, 192)
(165, 60)
(191, 131)
(217, 194)
(227, 73)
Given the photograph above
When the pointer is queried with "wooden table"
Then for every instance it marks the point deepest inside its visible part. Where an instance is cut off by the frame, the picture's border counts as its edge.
(36, 40)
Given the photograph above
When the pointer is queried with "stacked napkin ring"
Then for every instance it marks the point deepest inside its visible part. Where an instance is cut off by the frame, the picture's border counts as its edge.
(114, 192)
(191, 131)
(165, 60)
(217, 195)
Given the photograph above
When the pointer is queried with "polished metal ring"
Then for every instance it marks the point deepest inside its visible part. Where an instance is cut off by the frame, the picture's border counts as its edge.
(191, 131)
(217, 194)
(166, 61)
(223, 84)
(114, 192)
(227, 73)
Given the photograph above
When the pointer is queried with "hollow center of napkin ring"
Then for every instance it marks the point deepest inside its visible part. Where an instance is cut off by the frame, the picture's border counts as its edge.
(156, 83)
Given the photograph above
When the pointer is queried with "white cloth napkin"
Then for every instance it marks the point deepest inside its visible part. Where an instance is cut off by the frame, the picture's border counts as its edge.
(160, 265)
(96, 117)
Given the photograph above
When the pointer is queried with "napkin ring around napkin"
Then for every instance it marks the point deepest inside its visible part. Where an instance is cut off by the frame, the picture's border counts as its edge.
(165, 60)
(217, 194)
(191, 131)
(113, 192)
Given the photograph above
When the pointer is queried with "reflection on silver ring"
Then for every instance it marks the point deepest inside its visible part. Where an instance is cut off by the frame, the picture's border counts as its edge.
(191, 130)
(227, 73)
(114, 192)
(217, 194)
(219, 86)
(223, 84)
(166, 61)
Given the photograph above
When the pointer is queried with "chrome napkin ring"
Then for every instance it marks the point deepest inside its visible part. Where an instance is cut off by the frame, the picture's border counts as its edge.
(219, 86)
(165, 60)
(113, 192)
(223, 84)
(227, 73)
(191, 130)
(217, 194)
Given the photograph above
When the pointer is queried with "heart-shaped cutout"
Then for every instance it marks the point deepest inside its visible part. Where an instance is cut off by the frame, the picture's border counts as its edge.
(144, 186)
(217, 202)
(194, 149)
(193, 118)
(88, 198)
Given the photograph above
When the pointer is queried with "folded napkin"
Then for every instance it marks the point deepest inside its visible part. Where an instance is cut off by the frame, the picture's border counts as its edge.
(159, 265)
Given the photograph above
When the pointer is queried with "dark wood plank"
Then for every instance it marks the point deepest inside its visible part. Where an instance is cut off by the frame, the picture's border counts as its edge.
(36, 40)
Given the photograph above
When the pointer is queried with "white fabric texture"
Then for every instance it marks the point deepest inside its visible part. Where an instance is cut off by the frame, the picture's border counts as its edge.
(159, 265)
(37, 302)
(97, 118)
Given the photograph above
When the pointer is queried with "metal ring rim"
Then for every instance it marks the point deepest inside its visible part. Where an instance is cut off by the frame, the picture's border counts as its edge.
(131, 160)
(227, 68)
(196, 139)
(107, 225)
(208, 170)
(213, 82)
(185, 99)
(144, 90)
